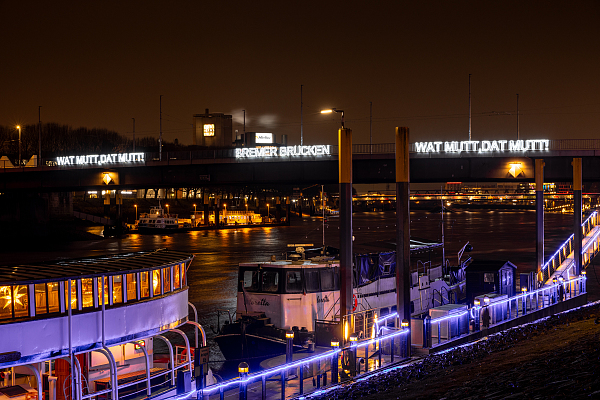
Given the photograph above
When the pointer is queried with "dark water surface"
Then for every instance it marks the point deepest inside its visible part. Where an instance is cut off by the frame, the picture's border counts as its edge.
(504, 235)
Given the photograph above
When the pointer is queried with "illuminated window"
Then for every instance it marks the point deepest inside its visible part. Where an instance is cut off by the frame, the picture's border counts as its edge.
(176, 277)
(131, 287)
(145, 287)
(53, 298)
(103, 278)
(183, 276)
(156, 282)
(73, 295)
(117, 289)
(87, 292)
(209, 129)
(40, 299)
(14, 298)
(166, 280)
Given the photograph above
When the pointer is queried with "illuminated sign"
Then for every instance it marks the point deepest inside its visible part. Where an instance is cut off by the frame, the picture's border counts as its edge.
(209, 129)
(264, 138)
(483, 146)
(102, 159)
(283, 151)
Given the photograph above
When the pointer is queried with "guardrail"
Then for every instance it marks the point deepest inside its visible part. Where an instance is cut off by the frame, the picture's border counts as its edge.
(335, 365)
(378, 148)
(453, 325)
(566, 248)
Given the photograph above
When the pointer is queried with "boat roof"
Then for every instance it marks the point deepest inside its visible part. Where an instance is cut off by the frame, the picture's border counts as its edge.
(417, 245)
(78, 268)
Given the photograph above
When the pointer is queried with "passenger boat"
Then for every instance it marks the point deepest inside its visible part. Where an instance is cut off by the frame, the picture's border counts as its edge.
(278, 295)
(157, 221)
(77, 328)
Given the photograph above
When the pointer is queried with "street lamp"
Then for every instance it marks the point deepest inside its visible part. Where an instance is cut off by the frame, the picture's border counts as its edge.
(268, 212)
(135, 205)
(19, 160)
(166, 205)
(194, 211)
(332, 110)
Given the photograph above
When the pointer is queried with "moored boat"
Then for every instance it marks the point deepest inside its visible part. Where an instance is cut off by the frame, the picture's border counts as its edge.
(276, 296)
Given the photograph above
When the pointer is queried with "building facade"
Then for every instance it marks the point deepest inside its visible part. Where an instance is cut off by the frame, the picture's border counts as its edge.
(212, 129)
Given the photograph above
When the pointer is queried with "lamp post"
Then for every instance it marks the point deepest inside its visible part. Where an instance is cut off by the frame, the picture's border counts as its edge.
(166, 205)
(332, 110)
(268, 212)
(19, 159)
(135, 205)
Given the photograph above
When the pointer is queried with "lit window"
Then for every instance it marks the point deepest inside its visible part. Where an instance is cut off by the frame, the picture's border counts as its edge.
(209, 129)
(73, 295)
(156, 282)
(117, 289)
(87, 292)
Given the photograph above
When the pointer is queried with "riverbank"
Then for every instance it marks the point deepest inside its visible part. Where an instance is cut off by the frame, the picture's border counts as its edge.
(556, 357)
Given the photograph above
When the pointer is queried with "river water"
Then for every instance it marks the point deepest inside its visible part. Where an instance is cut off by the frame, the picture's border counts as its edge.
(504, 235)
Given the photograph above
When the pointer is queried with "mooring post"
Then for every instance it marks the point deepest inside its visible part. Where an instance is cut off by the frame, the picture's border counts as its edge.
(243, 371)
(345, 179)
(403, 227)
(577, 186)
(539, 216)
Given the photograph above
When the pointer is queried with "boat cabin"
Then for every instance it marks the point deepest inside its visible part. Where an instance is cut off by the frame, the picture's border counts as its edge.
(90, 324)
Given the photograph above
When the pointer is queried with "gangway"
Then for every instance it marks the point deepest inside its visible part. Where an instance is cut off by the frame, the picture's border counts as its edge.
(562, 263)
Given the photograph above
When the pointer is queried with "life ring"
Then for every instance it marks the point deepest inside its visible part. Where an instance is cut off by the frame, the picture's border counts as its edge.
(355, 302)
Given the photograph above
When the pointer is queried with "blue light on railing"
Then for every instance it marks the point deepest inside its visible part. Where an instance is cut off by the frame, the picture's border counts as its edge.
(449, 316)
(274, 371)
(567, 241)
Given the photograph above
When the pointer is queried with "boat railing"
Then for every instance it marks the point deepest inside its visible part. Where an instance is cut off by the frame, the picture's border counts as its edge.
(318, 371)
(448, 328)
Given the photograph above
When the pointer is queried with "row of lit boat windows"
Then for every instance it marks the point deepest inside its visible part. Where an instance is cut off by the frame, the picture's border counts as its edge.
(18, 301)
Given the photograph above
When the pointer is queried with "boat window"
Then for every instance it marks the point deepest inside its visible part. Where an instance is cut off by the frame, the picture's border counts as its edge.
(293, 282)
(330, 279)
(117, 289)
(270, 281)
(40, 299)
(156, 282)
(5, 302)
(145, 287)
(99, 280)
(87, 295)
(73, 295)
(176, 277)
(131, 287)
(311, 279)
(166, 279)
(53, 298)
(183, 275)
(14, 299)
(251, 280)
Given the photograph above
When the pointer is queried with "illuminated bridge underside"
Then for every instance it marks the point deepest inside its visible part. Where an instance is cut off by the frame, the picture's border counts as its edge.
(367, 168)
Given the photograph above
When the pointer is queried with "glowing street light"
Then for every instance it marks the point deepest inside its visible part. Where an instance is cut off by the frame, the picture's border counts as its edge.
(194, 211)
(166, 205)
(19, 160)
(135, 205)
(332, 110)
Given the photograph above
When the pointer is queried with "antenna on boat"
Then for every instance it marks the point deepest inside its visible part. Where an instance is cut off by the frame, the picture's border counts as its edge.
(323, 217)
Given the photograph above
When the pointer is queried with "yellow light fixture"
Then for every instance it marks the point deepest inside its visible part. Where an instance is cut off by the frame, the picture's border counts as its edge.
(515, 169)
(328, 111)
(106, 178)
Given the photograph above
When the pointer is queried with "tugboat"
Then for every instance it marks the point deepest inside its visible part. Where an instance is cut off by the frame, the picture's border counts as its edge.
(280, 295)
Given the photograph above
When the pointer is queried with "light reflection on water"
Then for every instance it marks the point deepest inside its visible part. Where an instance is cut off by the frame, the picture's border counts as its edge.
(505, 235)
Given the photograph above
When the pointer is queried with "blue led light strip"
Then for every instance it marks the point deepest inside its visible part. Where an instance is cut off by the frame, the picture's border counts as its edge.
(566, 242)
(274, 371)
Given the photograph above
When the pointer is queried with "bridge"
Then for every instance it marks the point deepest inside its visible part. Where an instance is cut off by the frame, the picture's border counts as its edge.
(371, 164)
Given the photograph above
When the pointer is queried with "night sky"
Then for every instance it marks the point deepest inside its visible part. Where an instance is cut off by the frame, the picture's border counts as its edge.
(102, 63)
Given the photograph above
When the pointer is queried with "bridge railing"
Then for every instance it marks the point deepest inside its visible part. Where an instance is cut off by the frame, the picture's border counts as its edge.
(566, 248)
(450, 327)
(335, 365)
